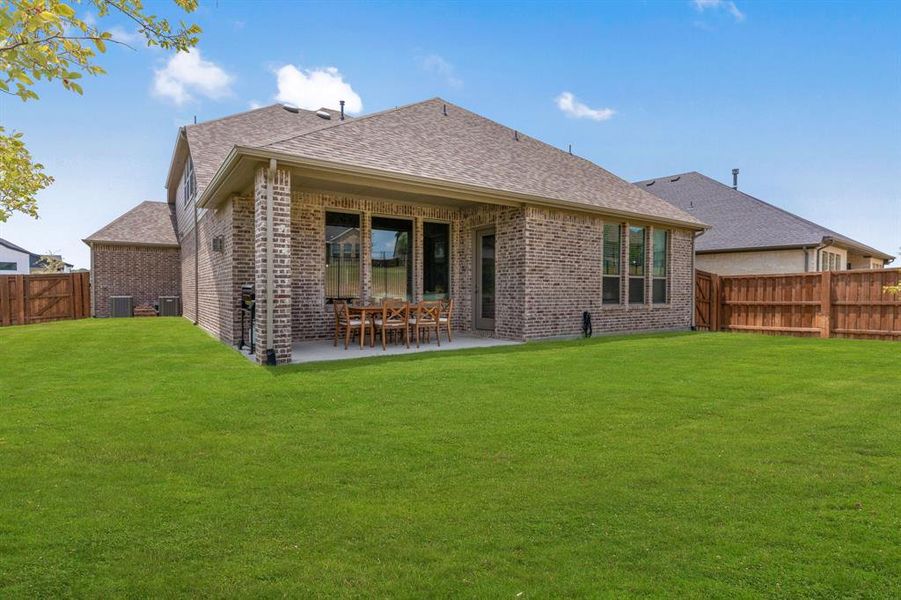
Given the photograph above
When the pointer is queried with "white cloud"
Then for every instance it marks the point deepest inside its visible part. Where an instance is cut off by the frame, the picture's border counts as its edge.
(727, 5)
(187, 74)
(120, 34)
(316, 88)
(253, 105)
(571, 107)
(439, 67)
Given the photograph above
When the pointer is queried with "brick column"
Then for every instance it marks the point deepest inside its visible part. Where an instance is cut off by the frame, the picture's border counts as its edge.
(281, 260)
(416, 292)
(366, 252)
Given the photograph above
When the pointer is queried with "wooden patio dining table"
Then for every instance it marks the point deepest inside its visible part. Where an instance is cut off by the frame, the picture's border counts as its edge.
(362, 310)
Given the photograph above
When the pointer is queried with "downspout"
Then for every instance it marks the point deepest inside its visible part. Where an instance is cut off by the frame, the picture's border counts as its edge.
(270, 277)
(196, 268)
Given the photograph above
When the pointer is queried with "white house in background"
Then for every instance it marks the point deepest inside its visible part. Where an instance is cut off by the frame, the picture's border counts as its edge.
(15, 260)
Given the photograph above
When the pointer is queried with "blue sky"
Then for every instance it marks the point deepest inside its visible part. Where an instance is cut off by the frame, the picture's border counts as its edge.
(804, 97)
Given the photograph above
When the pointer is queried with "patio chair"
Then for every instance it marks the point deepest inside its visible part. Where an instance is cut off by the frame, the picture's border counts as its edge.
(444, 319)
(427, 319)
(348, 324)
(395, 317)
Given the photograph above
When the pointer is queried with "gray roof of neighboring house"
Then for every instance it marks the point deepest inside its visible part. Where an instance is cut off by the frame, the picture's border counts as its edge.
(34, 259)
(740, 221)
(211, 141)
(147, 224)
(462, 147)
(12, 246)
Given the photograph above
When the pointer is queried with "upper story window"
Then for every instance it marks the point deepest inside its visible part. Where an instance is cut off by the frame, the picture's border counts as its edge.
(8, 266)
(189, 182)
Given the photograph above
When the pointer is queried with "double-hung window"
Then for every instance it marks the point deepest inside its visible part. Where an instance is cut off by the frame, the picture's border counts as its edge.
(342, 256)
(659, 268)
(190, 183)
(613, 242)
(637, 253)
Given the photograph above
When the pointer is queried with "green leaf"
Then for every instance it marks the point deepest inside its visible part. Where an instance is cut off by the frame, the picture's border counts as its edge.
(101, 45)
(64, 10)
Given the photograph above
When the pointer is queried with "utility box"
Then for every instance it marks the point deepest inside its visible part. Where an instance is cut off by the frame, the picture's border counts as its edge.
(121, 306)
(170, 306)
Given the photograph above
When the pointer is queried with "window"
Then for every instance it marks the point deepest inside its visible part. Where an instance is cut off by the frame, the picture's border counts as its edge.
(189, 183)
(637, 244)
(435, 261)
(612, 274)
(659, 268)
(392, 258)
(342, 256)
(8, 266)
(830, 261)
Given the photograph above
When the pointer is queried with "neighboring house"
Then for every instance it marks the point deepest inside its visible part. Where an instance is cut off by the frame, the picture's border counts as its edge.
(136, 255)
(15, 260)
(749, 236)
(443, 202)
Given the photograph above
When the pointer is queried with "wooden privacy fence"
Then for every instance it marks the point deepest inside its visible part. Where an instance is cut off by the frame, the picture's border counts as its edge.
(26, 299)
(828, 304)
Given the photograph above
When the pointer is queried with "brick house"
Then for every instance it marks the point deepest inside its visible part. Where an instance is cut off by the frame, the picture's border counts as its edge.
(136, 255)
(423, 201)
(750, 236)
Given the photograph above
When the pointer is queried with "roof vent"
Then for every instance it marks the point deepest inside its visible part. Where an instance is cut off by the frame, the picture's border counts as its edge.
(291, 108)
(650, 183)
(675, 179)
(324, 114)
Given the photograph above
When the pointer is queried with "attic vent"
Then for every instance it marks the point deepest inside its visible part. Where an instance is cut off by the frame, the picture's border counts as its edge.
(323, 114)
(675, 179)
(291, 108)
(650, 183)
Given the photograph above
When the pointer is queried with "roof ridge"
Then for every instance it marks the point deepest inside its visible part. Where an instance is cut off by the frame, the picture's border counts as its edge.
(351, 120)
(241, 114)
(123, 215)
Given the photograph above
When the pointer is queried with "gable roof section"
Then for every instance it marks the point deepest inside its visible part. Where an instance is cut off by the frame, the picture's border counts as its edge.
(210, 142)
(461, 147)
(11, 246)
(739, 221)
(147, 224)
(34, 260)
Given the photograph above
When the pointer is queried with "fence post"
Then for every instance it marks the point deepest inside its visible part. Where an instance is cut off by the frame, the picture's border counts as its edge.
(714, 302)
(826, 304)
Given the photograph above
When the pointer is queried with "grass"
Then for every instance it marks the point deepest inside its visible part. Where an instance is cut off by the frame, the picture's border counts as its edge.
(142, 458)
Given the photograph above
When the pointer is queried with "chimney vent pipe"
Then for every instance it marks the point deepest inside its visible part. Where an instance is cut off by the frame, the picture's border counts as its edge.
(341, 102)
(734, 179)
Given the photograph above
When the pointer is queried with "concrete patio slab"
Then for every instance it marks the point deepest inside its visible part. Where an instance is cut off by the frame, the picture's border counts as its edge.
(324, 350)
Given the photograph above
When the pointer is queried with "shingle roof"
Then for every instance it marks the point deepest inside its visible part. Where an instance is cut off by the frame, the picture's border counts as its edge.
(147, 224)
(465, 148)
(211, 141)
(738, 220)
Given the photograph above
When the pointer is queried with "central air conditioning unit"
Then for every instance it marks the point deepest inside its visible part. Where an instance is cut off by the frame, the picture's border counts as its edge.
(121, 306)
(170, 306)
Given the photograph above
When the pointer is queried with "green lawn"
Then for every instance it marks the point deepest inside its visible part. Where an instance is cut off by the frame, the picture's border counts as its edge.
(142, 458)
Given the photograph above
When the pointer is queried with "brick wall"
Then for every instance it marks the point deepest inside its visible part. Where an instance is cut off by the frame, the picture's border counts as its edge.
(563, 278)
(281, 263)
(143, 272)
